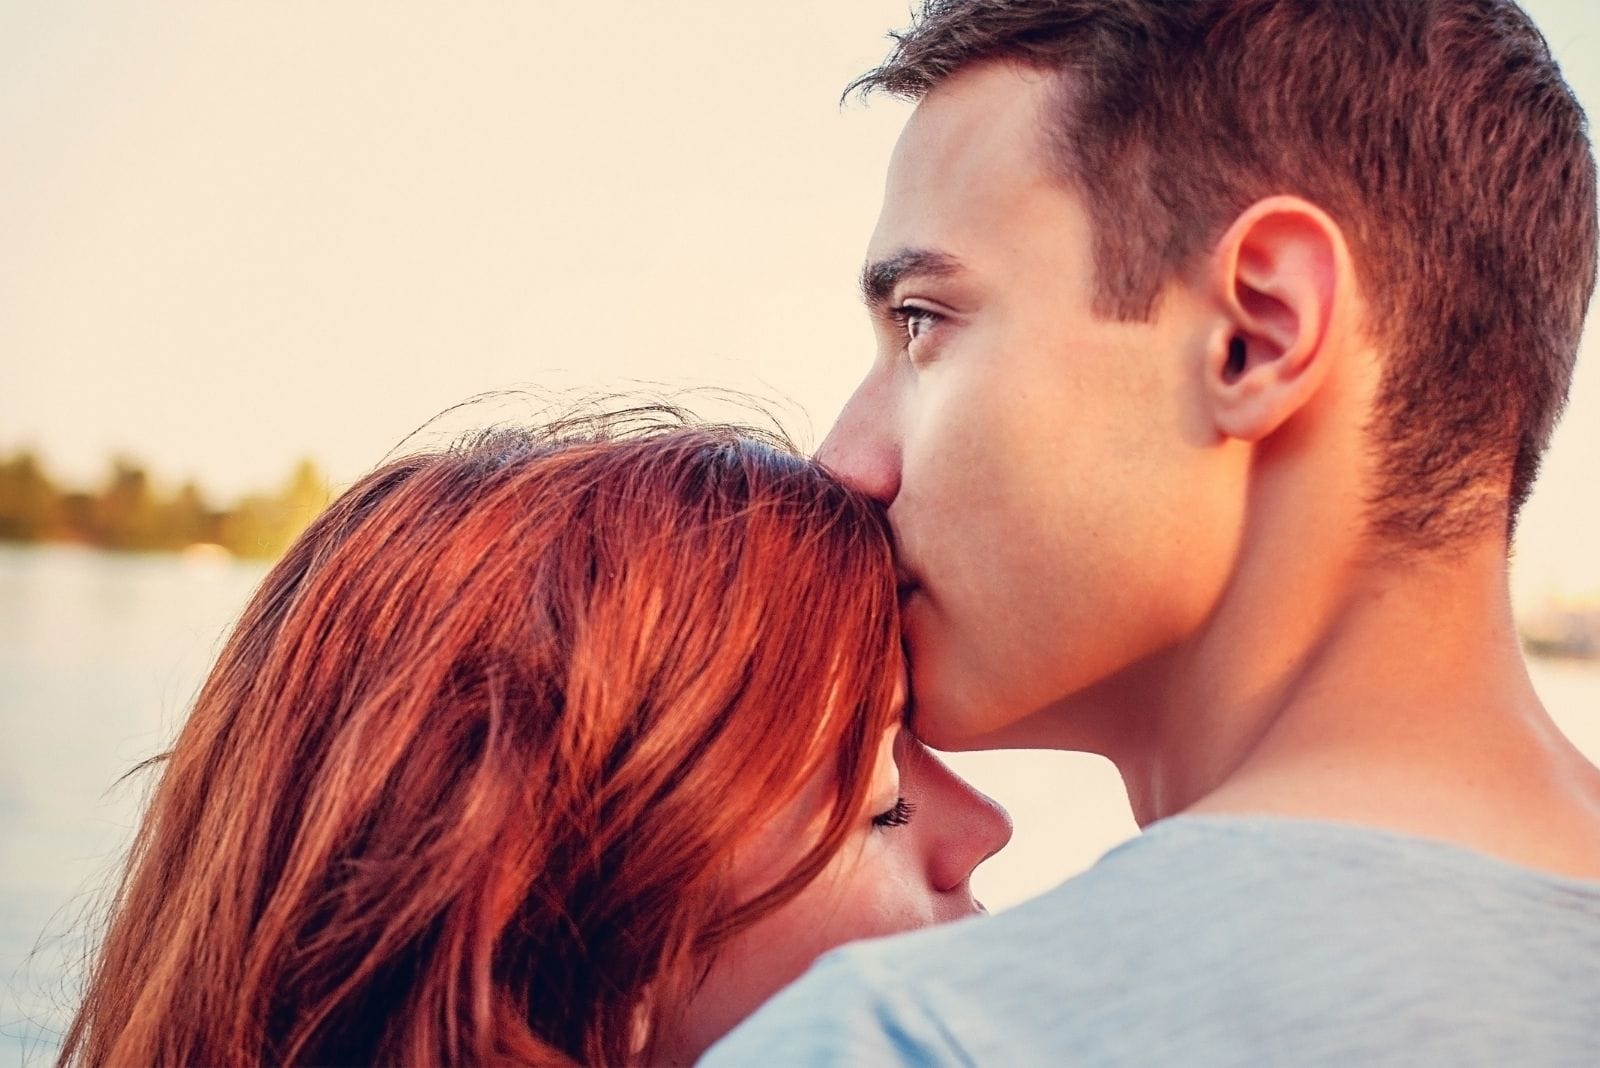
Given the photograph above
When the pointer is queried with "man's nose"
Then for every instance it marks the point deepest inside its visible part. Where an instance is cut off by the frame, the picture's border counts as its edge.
(862, 448)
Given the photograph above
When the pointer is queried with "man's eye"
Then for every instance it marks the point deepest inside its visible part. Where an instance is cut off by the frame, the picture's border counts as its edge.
(914, 320)
(897, 816)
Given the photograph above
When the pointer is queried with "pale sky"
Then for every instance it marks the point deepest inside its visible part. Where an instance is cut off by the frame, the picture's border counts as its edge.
(234, 235)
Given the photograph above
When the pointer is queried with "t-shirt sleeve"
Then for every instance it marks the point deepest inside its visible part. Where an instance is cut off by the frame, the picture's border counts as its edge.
(840, 1012)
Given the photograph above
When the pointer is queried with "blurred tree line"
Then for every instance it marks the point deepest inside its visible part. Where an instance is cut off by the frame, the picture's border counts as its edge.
(129, 511)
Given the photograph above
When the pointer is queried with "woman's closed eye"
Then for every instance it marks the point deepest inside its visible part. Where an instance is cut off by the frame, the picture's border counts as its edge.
(897, 815)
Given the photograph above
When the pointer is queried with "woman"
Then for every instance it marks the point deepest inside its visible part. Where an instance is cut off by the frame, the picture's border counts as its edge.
(562, 745)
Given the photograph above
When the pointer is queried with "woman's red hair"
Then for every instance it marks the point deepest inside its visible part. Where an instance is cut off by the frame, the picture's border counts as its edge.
(465, 783)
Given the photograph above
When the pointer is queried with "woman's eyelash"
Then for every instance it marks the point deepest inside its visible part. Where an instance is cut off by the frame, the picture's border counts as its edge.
(898, 816)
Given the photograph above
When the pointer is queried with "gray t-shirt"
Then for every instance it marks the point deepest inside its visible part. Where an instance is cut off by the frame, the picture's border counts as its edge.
(1213, 941)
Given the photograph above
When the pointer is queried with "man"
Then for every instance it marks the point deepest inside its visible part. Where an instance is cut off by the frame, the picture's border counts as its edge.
(1218, 344)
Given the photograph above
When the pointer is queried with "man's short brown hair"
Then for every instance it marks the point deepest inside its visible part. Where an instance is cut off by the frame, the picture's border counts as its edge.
(1439, 134)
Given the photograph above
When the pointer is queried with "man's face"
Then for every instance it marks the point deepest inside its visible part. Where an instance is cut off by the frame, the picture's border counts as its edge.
(1052, 480)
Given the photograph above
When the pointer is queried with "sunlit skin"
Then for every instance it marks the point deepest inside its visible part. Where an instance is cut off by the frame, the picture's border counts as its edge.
(907, 864)
(1120, 538)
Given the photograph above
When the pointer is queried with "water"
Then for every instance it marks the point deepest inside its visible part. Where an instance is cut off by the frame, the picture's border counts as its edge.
(100, 655)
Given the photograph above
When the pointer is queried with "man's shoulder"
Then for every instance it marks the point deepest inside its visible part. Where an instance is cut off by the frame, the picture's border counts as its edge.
(1201, 935)
(925, 997)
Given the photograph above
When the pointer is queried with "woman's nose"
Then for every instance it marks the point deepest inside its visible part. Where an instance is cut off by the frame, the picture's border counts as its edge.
(970, 827)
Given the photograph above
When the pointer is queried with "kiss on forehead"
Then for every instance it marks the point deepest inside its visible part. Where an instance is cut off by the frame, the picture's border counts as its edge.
(1217, 345)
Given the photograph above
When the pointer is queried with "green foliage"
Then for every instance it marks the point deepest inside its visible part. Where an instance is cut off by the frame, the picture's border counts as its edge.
(30, 507)
(129, 511)
(125, 511)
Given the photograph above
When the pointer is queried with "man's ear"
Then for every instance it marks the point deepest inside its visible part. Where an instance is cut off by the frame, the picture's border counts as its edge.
(1275, 274)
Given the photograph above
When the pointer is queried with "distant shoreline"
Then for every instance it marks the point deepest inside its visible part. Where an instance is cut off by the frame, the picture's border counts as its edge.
(1558, 632)
(132, 512)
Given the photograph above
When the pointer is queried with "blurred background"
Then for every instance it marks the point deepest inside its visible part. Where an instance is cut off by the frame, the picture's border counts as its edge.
(245, 251)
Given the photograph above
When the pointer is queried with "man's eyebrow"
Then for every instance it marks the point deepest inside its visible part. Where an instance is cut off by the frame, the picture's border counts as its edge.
(879, 277)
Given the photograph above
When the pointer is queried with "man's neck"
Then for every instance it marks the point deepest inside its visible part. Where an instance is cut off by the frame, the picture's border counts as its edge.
(1398, 699)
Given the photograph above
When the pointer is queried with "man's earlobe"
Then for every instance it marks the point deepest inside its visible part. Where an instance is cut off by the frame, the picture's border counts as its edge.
(1275, 275)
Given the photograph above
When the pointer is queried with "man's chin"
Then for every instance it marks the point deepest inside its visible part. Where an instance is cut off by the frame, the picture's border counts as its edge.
(950, 707)
(941, 721)
(958, 714)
